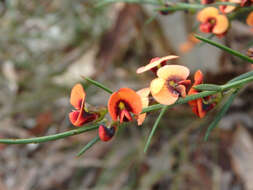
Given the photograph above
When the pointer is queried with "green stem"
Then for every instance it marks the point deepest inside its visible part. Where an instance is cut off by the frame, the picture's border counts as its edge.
(242, 76)
(236, 83)
(51, 137)
(155, 127)
(88, 146)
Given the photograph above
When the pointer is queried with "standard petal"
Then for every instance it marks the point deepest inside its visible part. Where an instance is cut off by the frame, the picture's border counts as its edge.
(175, 71)
(221, 24)
(77, 96)
(154, 63)
(206, 13)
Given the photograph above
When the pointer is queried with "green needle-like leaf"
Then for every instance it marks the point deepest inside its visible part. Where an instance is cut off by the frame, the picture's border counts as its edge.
(154, 127)
(242, 76)
(225, 48)
(88, 146)
(208, 87)
(51, 137)
(237, 83)
(98, 84)
(221, 113)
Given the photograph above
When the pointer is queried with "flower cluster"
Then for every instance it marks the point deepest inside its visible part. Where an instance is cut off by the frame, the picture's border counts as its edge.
(126, 105)
(216, 21)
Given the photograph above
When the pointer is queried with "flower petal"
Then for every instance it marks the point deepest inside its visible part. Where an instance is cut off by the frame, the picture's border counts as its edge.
(156, 85)
(250, 19)
(77, 96)
(201, 112)
(76, 118)
(198, 77)
(226, 8)
(221, 24)
(178, 71)
(206, 13)
(154, 63)
(128, 96)
(141, 118)
(143, 93)
(182, 90)
(166, 96)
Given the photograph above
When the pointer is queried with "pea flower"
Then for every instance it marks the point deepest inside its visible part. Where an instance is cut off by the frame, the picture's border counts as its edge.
(79, 116)
(212, 22)
(106, 133)
(189, 44)
(170, 84)
(200, 106)
(144, 94)
(155, 64)
(124, 102)
(249, 20)
(225, 9)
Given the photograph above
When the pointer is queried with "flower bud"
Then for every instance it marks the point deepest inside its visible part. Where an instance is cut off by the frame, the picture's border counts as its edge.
(105, 133)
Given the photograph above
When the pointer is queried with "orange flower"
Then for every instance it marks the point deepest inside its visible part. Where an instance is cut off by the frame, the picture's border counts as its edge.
(189, 44)
(155, 64)
(124, 102)
(79, 116)
(170, 84)
(212, 22)
(199, 106)
(229, 8)
(143, 93)
(249, 20)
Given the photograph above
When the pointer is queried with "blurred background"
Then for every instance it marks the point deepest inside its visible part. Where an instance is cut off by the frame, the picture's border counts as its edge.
(47, 45)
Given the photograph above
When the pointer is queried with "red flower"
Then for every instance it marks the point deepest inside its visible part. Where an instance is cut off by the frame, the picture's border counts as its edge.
(200, 106)
(124, 102)
(79, 116)
(105, 133)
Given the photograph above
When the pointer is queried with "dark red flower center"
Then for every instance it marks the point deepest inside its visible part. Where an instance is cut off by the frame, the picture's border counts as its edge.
(123, 110)
(172, 84)
(208, 26)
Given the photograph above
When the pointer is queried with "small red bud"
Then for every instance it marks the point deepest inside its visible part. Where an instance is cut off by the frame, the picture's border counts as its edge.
(105, 133)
